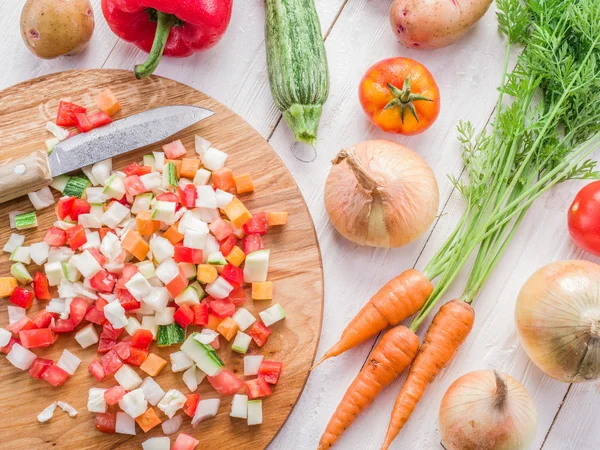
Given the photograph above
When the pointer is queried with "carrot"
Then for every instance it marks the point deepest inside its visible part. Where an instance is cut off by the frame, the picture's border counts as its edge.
(228, 328)
(172, 234)
(189, 167)
(449, 329)
(223, 179)
(398, 299)
(244, 183)
(134, 244)
(7, 286)
(394, 352)
(107, 102)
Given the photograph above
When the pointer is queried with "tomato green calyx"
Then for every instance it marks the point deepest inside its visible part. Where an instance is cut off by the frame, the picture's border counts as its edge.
(164, 23)
(404, 98)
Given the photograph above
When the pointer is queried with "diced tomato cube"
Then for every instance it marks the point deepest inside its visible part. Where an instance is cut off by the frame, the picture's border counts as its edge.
(129, 270)
(142, 339)
(97, 370)
(78, 308)
(185, 442)
(131, 169)
(108, 332)
(128, 301)
(106, 422)
(174, 150)
(66, 113)
(184, 316)
(260, 333)
(177, 285)
(227, 245)
(222, 308)
(168, 197)
(238, 296)
(55, 237)
(24, 323)
(43, 318)
(258, 224)
(76, 237)
(137, 356)
(80, 206)
(106, 345)
(223, 179)
(114, 394)
(94, 315)
(189, 195)
(270, 371)
(83, 122)
(55, 375)
(111, 362)
(21, 297)
(43, 337)
(122, 349)
(99, 119)
(233, 274)
(38, 367)
(41, 287)
(63, 326)
(252, 243)
(8, 347)
(226, 382)
(133, 185)
(97, 256)
(64, 206)
(191, 403)
(257, 388)
(103, 281)
(220, 229)
(187, 255)
(200, 314)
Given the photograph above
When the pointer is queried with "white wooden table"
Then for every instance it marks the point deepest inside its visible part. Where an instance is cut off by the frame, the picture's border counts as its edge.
(358, 34)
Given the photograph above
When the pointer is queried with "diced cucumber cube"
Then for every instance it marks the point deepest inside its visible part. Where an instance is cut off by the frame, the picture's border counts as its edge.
(169, 178)
(256, 266)
(239, 406)
(255, 416)
(70, 271)
(26, 220)
(203, 355)
(220, 288)
(252, 364)
(271, 315)
(243, 318)
(141, 203)
(241, 343)
(170, 334)
(54, 272)
(101, 171)
(217, 259)
(50, 144)
(22, 255)
(149, 160)
(159, 160)
(114, 187)
(164, 211)
(202, 177)
(20, 272)
(76, 186)
(188, 269)
(189, 296)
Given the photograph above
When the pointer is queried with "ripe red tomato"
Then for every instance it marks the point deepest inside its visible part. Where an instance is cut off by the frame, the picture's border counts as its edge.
(399, 95)
(584, 218)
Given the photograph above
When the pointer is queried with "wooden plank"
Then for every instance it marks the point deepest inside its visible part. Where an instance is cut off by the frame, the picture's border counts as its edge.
(295, 267)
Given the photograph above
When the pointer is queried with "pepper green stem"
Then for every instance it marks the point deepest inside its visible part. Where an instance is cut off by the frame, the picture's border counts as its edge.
(304, 121)
(164, 22)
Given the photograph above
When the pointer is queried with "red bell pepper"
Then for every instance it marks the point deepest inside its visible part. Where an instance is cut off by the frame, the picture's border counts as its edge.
(164, 26)
(41, 287)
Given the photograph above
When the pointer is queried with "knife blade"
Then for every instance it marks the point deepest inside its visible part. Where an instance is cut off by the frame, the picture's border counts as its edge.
(122, 136)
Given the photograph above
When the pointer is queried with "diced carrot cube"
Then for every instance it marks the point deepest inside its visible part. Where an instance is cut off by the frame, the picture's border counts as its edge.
(173, 235)
(262, 290)
(135, 245)
(189, 167)
(223, 179)
(7, 286)
(177, 163)
(153, 364)
(213, 322)
(228, 328)
(236, 256)
(237, 212)
(148, 420)
(206, 273)
(244, 183)
(277, 218)
(107, 102)
(145, 225)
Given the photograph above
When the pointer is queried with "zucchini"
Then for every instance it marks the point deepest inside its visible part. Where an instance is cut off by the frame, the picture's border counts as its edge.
(26, 220)
(170, 334)
(297, 64)
(76, 186)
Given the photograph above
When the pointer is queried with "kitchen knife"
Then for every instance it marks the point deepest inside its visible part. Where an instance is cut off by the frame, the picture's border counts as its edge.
(34, 171)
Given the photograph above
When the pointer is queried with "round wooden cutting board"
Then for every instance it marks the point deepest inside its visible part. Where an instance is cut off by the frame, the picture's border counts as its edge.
(295, 269)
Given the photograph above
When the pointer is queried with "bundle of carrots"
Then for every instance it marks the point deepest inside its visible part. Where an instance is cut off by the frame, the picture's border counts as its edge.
(531, 147)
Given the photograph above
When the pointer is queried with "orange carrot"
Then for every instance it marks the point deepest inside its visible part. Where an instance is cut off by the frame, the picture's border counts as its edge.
(398, 299)
(189, 167)
(394, 352)
(449, 329)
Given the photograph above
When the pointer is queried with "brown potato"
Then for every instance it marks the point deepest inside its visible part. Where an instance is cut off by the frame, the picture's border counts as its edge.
(52, 28)
(431, 24)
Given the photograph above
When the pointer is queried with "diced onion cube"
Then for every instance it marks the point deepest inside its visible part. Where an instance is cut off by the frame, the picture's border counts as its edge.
(87, 264)
(138, 286)
(202, 177)
(47, 413)
(180, 361)
(159, 160)
(128, 378)
(15, 241)
(220, 288)
(125, 424)
(20, 357)
(115, 213)
(87, 336)
(152, 391)
(68, 362)
(206, 197)
(165, 317)
(214, 159)
(115, 314)
(101, 171)
(243, 318)
(201, 145)
(223, 198)
(39, 252)
(114, 187)
(161, 249)
(5, 336)
(96, 402)
(206, 408)
(134, 403)
(21, 255)
(147, 269)
(89, 221)
(59, 133)
(239, 406)
(167, 271)
(190, 380)
(172, 402)
(194, 239)
(171, 426)
(157, 443)
(132, 326)
(110, 246)
(149, 324)
(54, 272)
(157, 299)
(15, 313)
(141, 203)
(251, 364)
(42, 198)
(151, 181)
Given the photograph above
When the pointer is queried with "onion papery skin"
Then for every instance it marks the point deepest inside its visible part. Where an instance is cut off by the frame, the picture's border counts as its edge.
(394, 207)
(558, 320)
(476, 415)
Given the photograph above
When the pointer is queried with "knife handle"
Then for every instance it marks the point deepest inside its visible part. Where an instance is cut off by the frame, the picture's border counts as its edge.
(23, 174)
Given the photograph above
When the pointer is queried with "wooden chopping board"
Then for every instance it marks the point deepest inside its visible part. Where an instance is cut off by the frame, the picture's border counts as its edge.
(295, 269)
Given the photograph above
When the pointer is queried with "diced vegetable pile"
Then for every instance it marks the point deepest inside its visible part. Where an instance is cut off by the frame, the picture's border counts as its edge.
(140, 255)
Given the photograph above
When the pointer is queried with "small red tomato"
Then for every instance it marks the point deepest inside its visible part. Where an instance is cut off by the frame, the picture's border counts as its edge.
(399, 95)
(584, 218)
